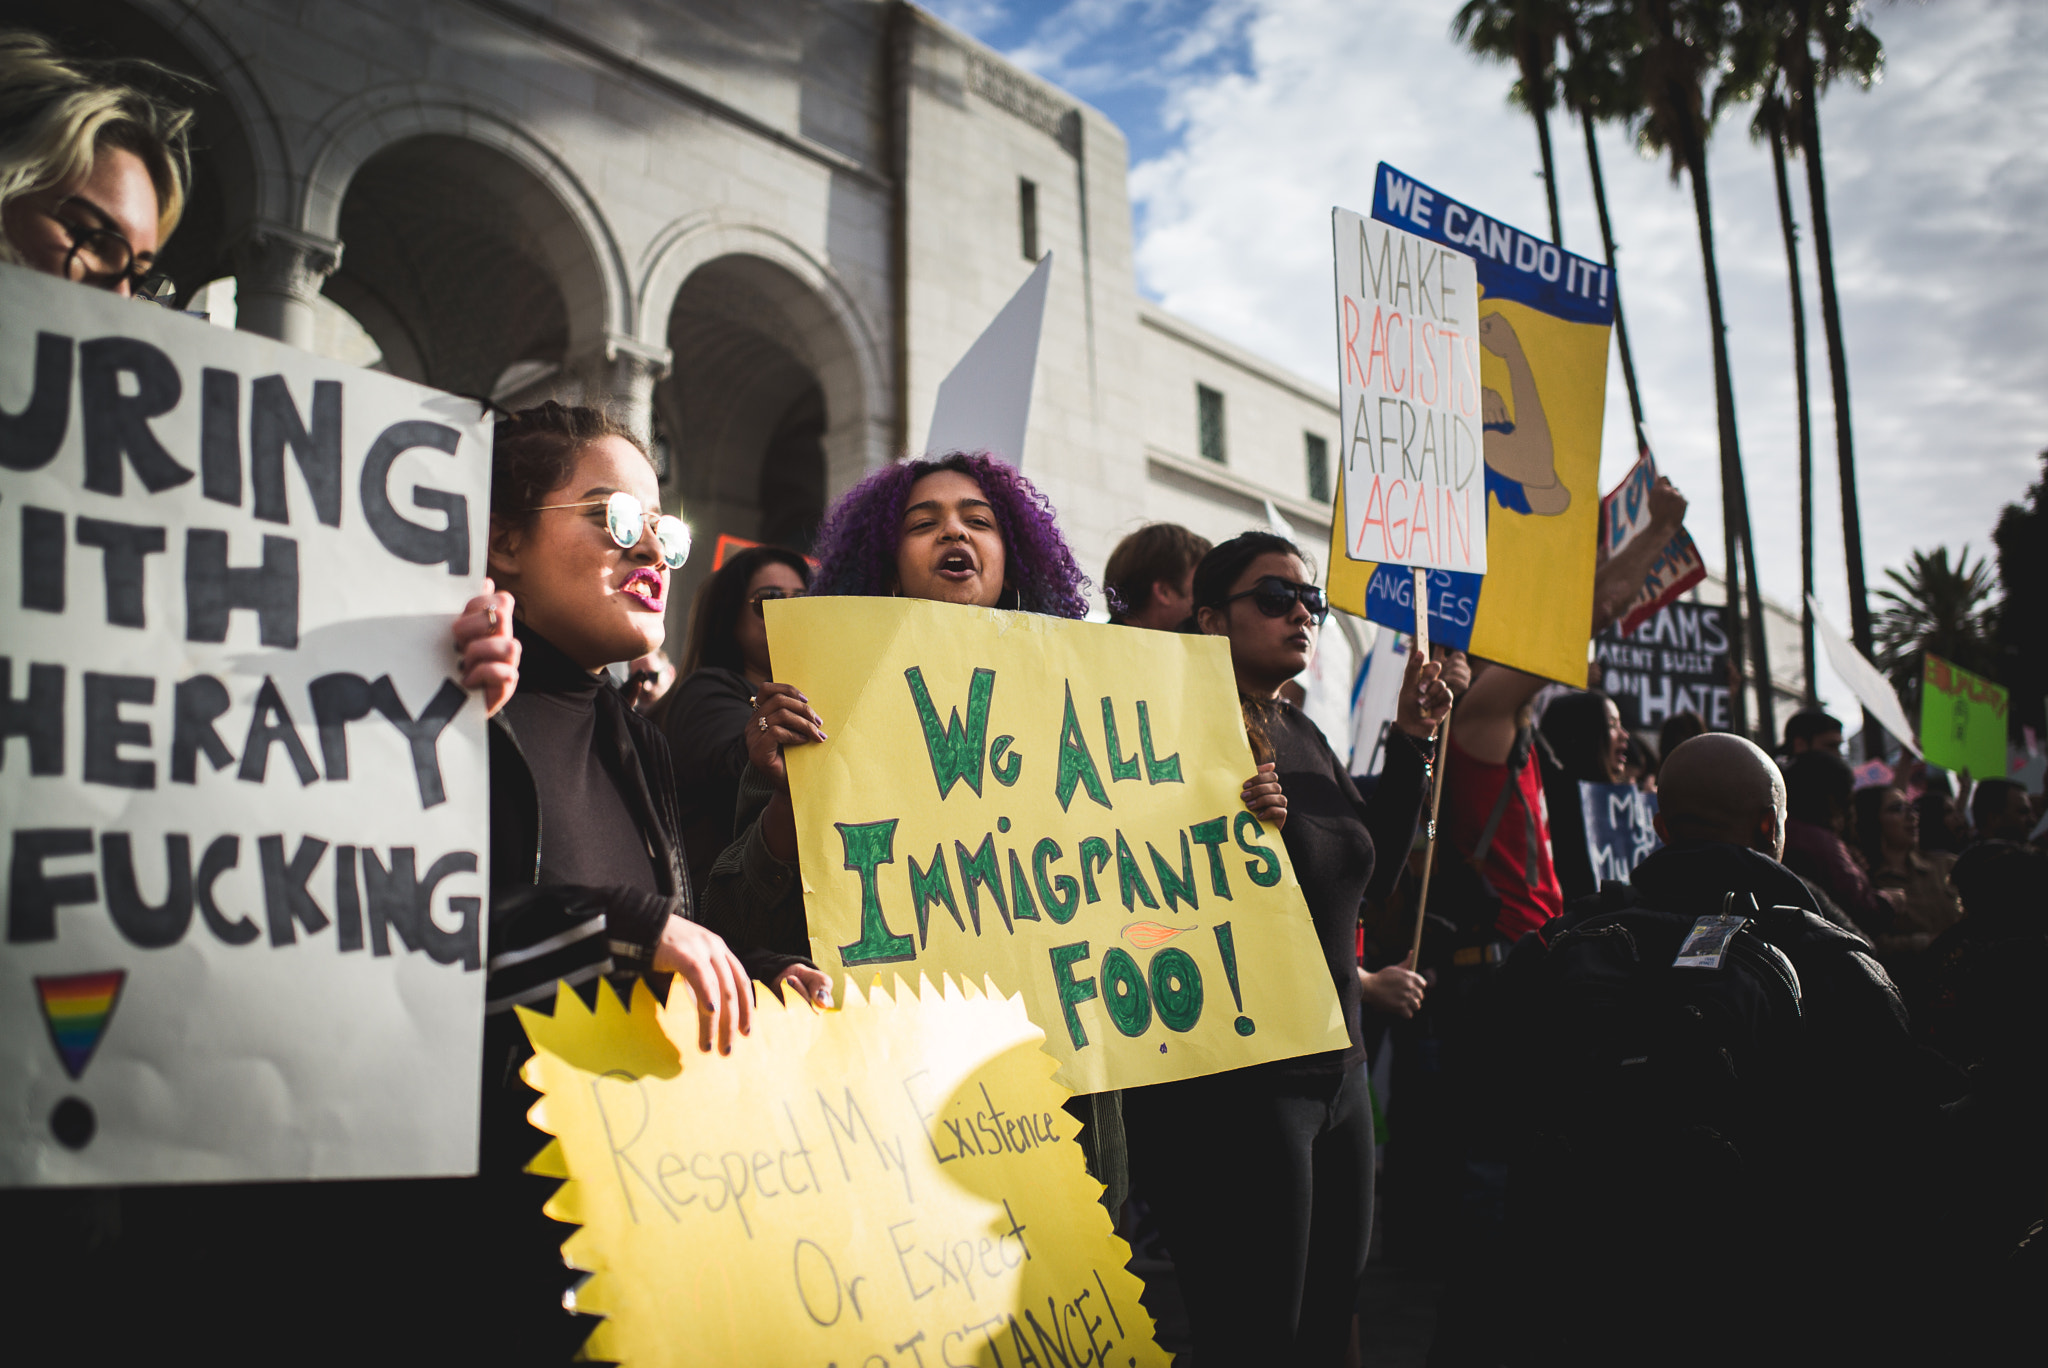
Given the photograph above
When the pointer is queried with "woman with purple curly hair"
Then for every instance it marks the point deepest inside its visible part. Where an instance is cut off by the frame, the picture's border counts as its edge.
(964, 528)
(857, 546)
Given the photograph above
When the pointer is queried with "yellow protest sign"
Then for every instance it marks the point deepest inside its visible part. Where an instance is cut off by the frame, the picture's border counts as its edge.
(1543, 321)
(887, 1184)
(1056, 805)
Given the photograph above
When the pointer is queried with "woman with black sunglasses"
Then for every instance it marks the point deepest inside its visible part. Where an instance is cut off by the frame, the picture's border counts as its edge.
(1261, 1177)
(724, 665)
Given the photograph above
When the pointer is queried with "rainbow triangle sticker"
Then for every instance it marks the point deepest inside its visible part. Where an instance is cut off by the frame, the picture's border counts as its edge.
(76, 1008)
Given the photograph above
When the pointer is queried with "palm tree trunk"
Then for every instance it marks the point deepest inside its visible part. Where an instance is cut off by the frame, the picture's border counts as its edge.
(1838, 377)
(1628, 361)
(1791, 231)
(1734, 496)
(1542, 117)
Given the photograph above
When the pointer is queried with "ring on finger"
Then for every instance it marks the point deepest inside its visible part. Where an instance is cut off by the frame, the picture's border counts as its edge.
(762, 723)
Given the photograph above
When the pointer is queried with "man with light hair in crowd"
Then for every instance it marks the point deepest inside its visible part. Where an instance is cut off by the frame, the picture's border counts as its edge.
(1149, 580)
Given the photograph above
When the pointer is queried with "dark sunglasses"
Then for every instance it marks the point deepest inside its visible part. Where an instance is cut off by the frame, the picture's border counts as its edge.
(766, 594)
(1276, 597)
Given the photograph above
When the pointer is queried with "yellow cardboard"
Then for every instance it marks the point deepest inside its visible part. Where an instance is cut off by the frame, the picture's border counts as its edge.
(891, 1183)
(1153, 926)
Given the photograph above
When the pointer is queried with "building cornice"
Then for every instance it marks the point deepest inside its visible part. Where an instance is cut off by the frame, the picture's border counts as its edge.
(554, 31)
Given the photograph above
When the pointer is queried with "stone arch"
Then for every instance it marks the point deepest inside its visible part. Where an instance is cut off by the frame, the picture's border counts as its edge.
(242, 169)
(799, 305)
(419, 164)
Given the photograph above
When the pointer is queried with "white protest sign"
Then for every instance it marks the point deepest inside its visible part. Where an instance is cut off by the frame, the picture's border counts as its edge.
(243, 805)
(984, 403)
(1871, 688)
(1408, 368)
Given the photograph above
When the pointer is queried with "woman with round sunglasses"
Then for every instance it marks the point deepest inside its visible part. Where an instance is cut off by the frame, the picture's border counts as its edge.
(93, 168)
(1261, 1177)
(706, 715)
(588, 876)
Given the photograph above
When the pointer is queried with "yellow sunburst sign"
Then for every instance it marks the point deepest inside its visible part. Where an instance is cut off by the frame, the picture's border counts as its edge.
(894, 1182)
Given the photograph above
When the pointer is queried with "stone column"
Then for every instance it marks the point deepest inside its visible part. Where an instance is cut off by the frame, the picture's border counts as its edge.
(278, 273)
(621, 380)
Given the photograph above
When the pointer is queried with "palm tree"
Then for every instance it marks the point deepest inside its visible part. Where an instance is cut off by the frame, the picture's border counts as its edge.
(1934, 609)
(1773, 114)
(1524, 32)
(1828, 41)
(1757, 72)
(1591, 90)
(1675, 44)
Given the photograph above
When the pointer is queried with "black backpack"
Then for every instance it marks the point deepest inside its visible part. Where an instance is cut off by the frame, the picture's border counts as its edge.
(1653, 1053)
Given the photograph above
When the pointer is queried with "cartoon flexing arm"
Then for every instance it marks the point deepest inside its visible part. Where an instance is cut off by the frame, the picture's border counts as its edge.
(1520, 449)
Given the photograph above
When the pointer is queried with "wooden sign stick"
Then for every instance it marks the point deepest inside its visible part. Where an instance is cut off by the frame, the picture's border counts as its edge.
(1436, 793)
(1436, 770)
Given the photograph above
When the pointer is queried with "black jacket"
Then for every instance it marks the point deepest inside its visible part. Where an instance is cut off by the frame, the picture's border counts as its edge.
(705, 720)
(527, 915)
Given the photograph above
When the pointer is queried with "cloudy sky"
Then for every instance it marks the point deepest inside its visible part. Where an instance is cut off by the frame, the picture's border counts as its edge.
(1248, 119)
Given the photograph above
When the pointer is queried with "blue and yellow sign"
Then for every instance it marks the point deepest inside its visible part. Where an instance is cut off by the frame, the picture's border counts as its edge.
(1544, 316)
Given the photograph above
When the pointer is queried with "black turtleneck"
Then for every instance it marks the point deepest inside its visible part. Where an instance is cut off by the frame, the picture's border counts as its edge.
(588, 834)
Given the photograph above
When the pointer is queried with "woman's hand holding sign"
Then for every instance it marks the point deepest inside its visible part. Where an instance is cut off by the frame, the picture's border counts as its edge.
(1263, 796)
(1425, 698)
(489, 651)
(782, 717)
(717, 979)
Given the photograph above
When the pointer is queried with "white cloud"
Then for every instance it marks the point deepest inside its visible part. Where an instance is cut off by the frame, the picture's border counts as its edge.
(1938, 189)
(1938, 183)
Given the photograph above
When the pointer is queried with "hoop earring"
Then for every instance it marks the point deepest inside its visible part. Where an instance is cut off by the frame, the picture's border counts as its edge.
(1010, 598)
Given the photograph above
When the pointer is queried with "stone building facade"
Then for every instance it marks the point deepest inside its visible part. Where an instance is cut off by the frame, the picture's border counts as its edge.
(761, 230)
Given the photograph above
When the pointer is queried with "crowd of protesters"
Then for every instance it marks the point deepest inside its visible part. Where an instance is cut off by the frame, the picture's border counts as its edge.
(1608, 1148)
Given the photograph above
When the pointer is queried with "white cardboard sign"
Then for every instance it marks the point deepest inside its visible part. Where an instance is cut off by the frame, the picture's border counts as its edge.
(243, 806)
(1864, 679)
(1408, 386)
(984, 403)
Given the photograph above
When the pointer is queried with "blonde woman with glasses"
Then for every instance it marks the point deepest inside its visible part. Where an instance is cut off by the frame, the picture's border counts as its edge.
(93, 169)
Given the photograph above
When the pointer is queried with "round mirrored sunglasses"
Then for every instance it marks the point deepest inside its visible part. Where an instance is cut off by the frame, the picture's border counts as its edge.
(625, 518)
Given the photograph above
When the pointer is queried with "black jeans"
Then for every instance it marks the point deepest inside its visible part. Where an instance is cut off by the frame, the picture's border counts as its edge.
(1262, 1186)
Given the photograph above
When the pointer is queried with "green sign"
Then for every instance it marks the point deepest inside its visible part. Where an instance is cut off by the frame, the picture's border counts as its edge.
(1962, 720)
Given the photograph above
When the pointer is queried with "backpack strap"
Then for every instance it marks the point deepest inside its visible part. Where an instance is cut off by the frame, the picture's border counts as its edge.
(1525, 740)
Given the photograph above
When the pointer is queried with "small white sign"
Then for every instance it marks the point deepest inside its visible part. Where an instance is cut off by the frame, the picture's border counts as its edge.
(984, 403)
(1408, 368)
(1864, 679)
(243, 799)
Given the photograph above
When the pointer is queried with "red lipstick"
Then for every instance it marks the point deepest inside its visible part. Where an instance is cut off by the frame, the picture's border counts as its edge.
(645, 588)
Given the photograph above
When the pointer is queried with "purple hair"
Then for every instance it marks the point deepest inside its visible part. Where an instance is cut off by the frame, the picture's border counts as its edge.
(856, 545)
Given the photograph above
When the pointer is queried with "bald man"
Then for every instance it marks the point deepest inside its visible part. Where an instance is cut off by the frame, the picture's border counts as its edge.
(1719, 787)
(1646, 1165)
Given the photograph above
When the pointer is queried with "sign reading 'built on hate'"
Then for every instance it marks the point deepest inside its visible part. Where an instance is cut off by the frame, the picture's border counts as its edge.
(242, 798)
(1056, 805)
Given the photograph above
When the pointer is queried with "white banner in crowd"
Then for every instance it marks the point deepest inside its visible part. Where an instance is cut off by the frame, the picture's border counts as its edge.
(243, 799)
(984, 403)
(1409, 395)
(1871, 688)
(1375, 697)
